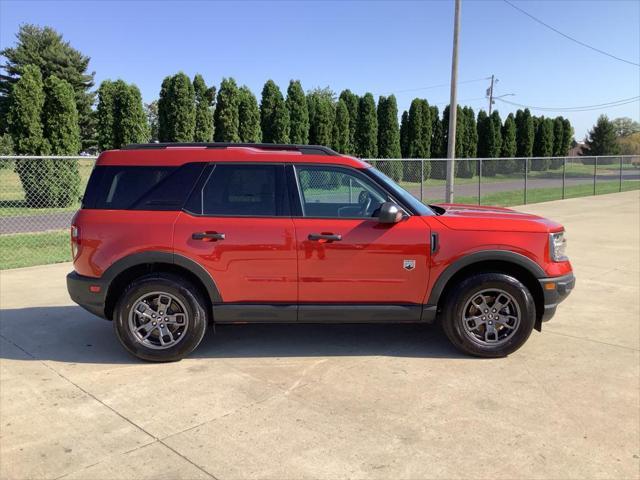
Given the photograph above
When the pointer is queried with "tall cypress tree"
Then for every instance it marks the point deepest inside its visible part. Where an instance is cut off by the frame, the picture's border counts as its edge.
(352, 101)
(274, 116)
(321, 116)
(389, 136)
(417, 144)
(543, 144)
(105, 120)
(130, 122)
(489, 143)
(25, 114)
(558, 142)
(567, 136)
(497, 128)
(249, 117)
(203, 131)
(298, 113)
(525, 133)
(436, 134)
(509, 146)
(404, 135)
(227, 116)
(177, 115)
(61, 128)
(340, 141)
(482, 125)
(367, 128)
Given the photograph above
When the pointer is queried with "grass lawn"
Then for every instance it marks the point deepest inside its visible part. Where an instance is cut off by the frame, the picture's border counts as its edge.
(27, 249)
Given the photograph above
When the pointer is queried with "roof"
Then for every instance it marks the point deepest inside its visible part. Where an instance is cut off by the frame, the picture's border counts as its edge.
(175, 154)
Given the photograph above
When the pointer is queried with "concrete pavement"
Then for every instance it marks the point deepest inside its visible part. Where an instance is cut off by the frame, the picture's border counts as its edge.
(365, 401)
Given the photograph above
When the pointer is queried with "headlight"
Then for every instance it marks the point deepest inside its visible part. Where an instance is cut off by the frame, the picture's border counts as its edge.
(558, 247)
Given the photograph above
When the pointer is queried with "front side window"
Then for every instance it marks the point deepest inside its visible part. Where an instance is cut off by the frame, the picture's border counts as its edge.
(244, 190)
(334, 192)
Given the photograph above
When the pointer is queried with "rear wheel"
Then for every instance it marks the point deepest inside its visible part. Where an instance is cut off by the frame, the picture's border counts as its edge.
(160, 318)
(489, 315)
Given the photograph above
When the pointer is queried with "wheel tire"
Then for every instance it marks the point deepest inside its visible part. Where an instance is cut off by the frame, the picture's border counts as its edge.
(183, 291)
(454, 314)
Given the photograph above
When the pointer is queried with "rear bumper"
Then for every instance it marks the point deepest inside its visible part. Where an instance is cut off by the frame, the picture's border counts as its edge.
(82, 291)
(555, 290)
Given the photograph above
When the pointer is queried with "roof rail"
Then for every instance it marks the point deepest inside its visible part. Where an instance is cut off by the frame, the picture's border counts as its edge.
(304, 149)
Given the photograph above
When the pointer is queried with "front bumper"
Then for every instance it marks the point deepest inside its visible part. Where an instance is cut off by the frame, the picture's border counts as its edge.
(90, 293)
(555, 290)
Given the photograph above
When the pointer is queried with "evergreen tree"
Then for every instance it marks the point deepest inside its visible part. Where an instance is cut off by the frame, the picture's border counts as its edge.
(558, 136)
(249, 117)
(509, 146)
(543, 144)
(497, 127)
(178, 113)
(130, 122)
(227, 115)
(104, 114)
(404, 135)
(567, 136)
(417, 144)
(389, 136)
(352, 101)
(601, 139)
(367, 128)
(45, 49)
(203, 130)
(298, 114)
(525, 133)
(340, 141)
(151, 112)
(62, 131)
(274, 116)
(482, 125)
(489, 142)
(436, 134)
(163, 109)
(466, 168)
(321, 116)
(25, 114)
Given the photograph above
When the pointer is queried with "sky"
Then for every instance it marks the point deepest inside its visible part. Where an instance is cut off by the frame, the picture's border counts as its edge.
(382, 47)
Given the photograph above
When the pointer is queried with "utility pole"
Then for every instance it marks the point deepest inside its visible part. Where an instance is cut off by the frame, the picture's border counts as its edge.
(490, 92)
(453, 107)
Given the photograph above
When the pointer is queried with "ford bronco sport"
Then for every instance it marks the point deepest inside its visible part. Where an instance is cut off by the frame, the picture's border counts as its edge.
(173, 238)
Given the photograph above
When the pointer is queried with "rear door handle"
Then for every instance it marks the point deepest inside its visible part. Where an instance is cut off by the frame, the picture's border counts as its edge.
(207, 236)
(331, 237)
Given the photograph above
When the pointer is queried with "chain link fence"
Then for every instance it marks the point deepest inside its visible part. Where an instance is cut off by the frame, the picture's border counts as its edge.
(39, 195)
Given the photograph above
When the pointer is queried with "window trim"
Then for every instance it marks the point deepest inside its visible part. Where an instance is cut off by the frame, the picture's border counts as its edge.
(198, 191)
(358, 172)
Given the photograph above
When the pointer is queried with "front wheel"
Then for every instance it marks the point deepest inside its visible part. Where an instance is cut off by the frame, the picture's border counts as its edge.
(160, 318)
(489, 315)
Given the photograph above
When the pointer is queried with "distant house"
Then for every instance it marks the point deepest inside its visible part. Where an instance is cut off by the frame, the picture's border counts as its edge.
(577, 150)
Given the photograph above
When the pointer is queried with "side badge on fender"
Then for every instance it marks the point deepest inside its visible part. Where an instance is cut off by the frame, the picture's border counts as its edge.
(409, 264)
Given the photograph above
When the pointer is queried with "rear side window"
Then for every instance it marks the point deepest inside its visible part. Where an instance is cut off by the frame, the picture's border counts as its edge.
(141, 188)
(244, 190)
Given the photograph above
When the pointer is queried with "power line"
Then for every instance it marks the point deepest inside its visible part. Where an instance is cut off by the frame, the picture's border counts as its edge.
(585, 108)
(569, 37)
(440, 85)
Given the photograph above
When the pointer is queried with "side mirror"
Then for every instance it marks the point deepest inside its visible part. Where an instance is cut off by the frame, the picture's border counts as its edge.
(389, 213)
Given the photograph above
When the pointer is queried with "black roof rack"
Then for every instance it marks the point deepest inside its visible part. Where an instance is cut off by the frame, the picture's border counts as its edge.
(304, 149)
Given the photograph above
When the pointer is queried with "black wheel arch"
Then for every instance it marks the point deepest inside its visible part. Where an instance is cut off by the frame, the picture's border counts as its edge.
(492, 261)
(125, 270)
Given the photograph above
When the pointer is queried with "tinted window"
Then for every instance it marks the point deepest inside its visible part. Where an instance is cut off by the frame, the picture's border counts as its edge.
(337, 192)
(141, 188)
(244, 190)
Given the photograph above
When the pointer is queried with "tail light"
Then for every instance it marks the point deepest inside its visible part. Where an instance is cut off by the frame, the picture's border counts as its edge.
(75, 241)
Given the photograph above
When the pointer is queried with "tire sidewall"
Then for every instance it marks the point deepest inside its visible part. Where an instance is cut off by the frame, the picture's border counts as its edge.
(471, 287)
(186, 293)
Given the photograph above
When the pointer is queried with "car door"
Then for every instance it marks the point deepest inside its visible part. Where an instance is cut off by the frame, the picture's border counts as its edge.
(238, 227)
(345, 256)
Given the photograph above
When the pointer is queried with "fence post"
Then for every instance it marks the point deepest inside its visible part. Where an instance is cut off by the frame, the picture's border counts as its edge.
(526, 168)
(620, 186)
(421, 178)
(595, 173)
(479, 181)
(564, 172)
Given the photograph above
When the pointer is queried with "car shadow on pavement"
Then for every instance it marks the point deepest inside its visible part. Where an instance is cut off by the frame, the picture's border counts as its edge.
(69, 334)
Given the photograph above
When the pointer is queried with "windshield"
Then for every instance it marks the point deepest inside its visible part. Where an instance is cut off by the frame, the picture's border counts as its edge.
(416, 205)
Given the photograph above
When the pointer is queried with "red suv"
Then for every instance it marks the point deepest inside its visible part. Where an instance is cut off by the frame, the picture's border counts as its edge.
(173, 238)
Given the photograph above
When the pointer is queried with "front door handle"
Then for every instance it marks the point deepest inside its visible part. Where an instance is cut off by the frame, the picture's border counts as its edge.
(213, 236)
(330, 237)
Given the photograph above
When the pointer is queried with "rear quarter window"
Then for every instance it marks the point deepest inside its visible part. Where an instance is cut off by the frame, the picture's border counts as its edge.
(141, 188)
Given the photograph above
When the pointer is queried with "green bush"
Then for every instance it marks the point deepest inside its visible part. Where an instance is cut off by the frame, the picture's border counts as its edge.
(49, 183)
